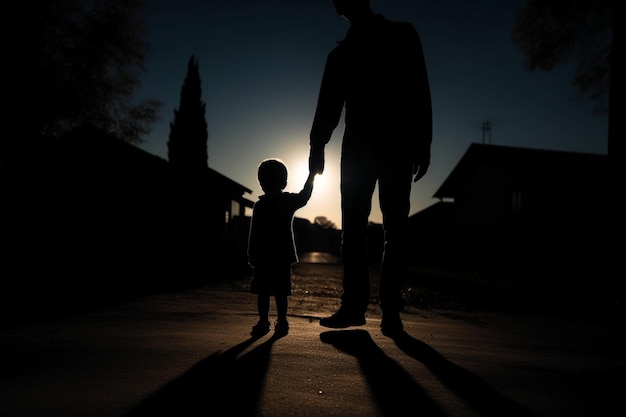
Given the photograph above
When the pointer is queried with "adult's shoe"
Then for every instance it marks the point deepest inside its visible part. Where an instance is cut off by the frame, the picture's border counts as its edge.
(342, 319)
(391, 325)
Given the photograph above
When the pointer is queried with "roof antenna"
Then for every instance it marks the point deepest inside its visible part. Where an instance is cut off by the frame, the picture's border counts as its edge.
(486, 127)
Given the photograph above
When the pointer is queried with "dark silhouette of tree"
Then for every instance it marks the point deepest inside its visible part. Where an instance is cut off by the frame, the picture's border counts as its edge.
(324, 223)
(551, 32)
(187, 145)
(188, 156)
(71, 62)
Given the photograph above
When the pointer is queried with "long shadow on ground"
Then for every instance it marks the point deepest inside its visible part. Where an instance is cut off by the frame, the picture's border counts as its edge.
(211, 384)
(392, 387)
(475, 392)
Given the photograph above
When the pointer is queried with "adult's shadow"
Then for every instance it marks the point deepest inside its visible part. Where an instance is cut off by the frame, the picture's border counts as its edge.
(208, 387)
(394, 390)
(479, 395)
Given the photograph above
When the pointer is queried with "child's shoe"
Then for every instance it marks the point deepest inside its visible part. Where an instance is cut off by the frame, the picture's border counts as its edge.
(281, 328)
(260, 329)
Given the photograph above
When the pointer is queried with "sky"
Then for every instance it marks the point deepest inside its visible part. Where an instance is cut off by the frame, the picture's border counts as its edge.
(261, 64)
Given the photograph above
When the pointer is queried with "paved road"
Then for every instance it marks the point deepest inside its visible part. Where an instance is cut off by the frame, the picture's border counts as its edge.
(189, 353)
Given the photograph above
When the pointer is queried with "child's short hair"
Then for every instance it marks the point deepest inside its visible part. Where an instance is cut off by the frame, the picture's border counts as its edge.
(272, 174)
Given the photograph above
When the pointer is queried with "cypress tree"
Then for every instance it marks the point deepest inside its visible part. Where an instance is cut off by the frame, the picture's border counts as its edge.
(187, 145)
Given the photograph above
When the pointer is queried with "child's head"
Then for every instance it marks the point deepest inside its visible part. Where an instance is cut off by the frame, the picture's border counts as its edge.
(272, 175)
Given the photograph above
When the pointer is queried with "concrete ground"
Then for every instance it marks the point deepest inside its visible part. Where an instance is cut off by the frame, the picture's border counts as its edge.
(190, 353)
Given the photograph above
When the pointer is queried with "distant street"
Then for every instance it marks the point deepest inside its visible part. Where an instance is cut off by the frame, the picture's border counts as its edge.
(319, 258)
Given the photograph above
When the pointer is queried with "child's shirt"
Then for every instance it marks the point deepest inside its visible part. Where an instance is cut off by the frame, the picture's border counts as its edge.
(271, 239)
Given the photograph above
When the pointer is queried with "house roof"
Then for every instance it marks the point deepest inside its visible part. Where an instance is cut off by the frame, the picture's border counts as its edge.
(221, 177)
(526, 164)
(436, 218)
(95, 147)
(90, 146)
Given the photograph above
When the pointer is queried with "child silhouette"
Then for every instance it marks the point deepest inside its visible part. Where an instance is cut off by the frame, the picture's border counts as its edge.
(271, 245)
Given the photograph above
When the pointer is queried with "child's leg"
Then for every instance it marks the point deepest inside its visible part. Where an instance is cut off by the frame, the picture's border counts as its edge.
(282, 304)
(263, 307)
(282, 327)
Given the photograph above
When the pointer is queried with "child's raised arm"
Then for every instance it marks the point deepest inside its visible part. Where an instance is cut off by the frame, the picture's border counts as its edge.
(307, 190)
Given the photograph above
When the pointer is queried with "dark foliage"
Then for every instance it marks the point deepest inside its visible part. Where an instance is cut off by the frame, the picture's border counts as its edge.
(69, 62)
(553, 32)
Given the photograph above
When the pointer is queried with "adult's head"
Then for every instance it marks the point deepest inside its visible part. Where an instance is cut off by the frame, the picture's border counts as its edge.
(352, 10)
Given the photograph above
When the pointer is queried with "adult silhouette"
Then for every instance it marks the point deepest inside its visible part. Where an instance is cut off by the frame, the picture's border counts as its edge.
(378, 74)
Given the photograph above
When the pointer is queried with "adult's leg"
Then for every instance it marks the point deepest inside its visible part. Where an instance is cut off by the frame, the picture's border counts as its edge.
(394, 195)
(358, 180)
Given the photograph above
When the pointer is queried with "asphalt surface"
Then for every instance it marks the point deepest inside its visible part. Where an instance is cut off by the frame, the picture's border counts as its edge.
(190, 353)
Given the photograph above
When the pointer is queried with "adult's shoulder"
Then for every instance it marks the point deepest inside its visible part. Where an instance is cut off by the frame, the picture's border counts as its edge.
(402, 32)
(337, 51)
(401, 26)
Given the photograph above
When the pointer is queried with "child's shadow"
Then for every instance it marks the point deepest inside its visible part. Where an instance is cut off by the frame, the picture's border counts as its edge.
(209, 385)
(394, 389)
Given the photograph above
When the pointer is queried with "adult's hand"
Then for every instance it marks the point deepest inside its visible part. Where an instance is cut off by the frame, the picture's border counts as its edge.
(316, 160)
